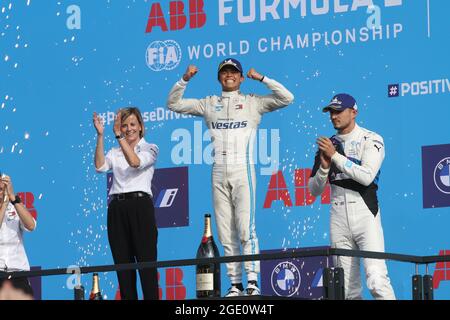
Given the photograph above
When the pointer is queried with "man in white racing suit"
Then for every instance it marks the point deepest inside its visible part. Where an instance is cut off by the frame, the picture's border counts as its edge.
(351, 160)
(232, 119)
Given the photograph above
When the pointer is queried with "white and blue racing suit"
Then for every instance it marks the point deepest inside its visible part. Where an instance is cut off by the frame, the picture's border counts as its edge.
(232, 120)
(355, 220)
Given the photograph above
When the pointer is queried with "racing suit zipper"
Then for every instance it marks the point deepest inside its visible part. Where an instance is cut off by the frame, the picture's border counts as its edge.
(347, 212)
(226, 138)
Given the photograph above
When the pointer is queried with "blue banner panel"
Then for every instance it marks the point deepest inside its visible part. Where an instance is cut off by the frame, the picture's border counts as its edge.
(170, 188)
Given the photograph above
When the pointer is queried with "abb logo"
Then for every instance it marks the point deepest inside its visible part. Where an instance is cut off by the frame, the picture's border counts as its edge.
(442, 271)
(175, 289)
(28, 200)
(177, 16)
(278, 190)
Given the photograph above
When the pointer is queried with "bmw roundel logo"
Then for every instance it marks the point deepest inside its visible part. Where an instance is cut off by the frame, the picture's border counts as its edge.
(442, 175)
(285, 279)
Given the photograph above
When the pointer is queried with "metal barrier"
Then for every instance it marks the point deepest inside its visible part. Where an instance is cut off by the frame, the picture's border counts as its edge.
(333, 277)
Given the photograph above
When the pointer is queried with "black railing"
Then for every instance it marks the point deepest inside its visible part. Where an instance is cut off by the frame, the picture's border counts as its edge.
(419, 283)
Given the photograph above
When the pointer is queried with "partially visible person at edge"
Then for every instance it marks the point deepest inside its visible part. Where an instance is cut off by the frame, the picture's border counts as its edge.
(232, 119)
(132, 231)
(351, 161)
(15, 219)
(9, 292)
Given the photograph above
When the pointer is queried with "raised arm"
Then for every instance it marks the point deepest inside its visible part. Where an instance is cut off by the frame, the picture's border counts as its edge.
(279, 98)
(175, 101)
(4, 205)
(25, 216)
(99, 158)
(128, 151)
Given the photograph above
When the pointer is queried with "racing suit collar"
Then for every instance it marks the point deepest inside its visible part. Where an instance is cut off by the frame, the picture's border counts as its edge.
(229, 94)
(349, 135)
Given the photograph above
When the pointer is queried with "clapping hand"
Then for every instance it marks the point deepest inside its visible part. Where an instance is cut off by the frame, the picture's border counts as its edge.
(9, 187)
(118, 123)
(326, 147)
(98, 124)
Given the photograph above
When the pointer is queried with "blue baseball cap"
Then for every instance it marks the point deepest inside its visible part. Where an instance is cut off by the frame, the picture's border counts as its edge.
(230, 62)
(341, 102)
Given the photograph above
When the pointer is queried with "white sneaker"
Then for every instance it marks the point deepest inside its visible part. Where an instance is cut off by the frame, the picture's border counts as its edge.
(234, 292)
(253, 290)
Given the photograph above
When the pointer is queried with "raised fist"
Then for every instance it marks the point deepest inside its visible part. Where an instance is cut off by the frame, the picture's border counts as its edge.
(255, 75)
(190, 72)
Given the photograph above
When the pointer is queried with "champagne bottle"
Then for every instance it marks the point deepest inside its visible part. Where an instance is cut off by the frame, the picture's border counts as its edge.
(208, 275)
(95, 292)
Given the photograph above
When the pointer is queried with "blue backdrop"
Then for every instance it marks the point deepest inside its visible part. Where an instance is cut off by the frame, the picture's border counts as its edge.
(62, 60)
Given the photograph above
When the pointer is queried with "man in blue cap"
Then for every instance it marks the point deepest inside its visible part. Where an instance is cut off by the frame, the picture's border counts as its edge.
(232, 119)
(351, 160)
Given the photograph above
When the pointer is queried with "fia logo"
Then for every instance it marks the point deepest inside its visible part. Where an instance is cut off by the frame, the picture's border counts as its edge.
(163, 55)
(442, 175)
(285, 279)
(166, 198)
